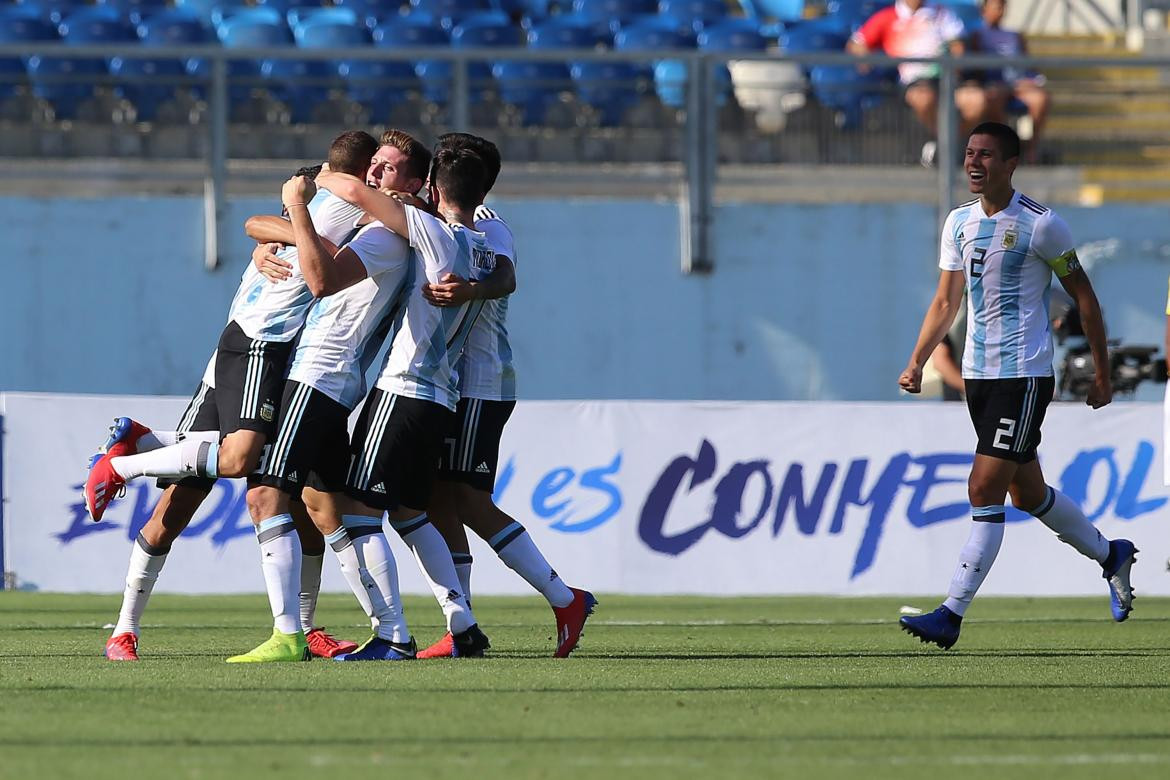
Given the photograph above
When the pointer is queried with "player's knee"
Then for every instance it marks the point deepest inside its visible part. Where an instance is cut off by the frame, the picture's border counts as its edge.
(264, 502)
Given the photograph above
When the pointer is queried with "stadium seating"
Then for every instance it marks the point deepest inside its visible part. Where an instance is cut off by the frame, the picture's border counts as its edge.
(135, 10)
(68, 82)
(568, 32)
(369, 12)
(615, 13)
(53, 10)
(150, 83)
(696, 14)
(781, 10)
(20, 25)
(451, 12)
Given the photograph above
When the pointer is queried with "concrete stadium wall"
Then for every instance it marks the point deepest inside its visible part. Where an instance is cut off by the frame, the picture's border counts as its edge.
(807, 302)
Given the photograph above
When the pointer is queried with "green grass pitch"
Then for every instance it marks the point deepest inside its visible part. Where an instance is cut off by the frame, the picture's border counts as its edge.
(661, 687)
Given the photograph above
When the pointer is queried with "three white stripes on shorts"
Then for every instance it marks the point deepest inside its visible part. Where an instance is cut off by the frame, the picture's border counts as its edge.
(249, 408)
(470, 429)
(363, 468)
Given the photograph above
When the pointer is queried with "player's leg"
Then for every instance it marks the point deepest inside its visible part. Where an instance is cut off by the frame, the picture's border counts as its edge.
(444, 516)
(1036, 99)
(170, 517)
(974, 105)
(322, 644)
(1061, 514)
(168, 520)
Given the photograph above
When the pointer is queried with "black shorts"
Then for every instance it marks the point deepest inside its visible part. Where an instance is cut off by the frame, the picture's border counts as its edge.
(395, 451)
(311, 447)
(249, 381)
(1007, 414)
(471, 450)
(200, 415)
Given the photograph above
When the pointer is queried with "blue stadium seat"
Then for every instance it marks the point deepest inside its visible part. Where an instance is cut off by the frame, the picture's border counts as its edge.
(843, 88)
(370, 12)
(53, 10)
(780, 10)
(67, 82)
(200, 7)
(416, 31)
(450, 13)
(167, 28)
(299, 84)
(610, 87)
(853, 13)
(615, 13)
(568, 32)
(693, 13)
(135, 10)
(269, 15)
(481, 32)
(532, 86)
(653, 33)
(824, 34)
(732, 35)
(316, 26)
(284, 6)
(250, 28)
(20, 25)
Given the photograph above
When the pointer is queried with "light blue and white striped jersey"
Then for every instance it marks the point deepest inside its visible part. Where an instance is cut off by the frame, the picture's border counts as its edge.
(344, 331)
(426, 340)
(275, 311)
(485, 368)
(1008, 260)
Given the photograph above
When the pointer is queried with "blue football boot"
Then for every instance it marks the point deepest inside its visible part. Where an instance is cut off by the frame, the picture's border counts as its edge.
(1116, 571)
(378, 649)
(940, 627)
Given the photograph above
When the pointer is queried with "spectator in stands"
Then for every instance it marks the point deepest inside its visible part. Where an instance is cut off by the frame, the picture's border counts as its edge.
(913, 28)
(1011, 82)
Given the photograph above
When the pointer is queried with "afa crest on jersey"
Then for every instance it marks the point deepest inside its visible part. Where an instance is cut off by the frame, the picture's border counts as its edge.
(1010, 237)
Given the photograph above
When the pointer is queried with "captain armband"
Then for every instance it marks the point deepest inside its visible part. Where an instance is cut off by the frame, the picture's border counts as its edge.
(1065, 264)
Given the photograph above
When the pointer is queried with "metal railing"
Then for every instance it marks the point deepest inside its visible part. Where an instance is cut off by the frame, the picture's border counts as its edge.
(700, 130)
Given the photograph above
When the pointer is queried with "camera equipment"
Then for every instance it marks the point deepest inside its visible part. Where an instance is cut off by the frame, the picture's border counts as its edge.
(1128, 366)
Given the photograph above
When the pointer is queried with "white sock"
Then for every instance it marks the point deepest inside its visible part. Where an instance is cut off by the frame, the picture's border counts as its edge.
(434, 560)
(462, 563)
(380, 571)
(188, 458)
(351, 569)
(280, 560)
(310, 588)
(155, 439)
(516, 549)
(1062, 515)
(976, 557)
(146, 562)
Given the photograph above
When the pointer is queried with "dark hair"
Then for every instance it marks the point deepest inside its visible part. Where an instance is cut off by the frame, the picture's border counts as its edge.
(310, 171)
(487, 151)
(418, 156)
(351, 152)
(459, 175)
(1005, 138)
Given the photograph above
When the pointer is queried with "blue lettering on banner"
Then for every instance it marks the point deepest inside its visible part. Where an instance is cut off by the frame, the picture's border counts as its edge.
(562, 511)
(807, 501)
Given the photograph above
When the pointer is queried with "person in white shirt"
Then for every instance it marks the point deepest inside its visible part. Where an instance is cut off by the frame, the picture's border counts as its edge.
(1003, 249)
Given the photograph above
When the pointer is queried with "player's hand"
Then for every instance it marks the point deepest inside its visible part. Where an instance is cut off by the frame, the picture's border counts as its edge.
(1101, 393)
(452, 290)
(297, 191)
(267, 263)
(911, 379)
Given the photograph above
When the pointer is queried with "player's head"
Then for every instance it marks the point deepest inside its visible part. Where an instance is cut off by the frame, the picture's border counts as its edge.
(351, 152)
(400, 163)
(993, 11)
(993, 151)
(457, 178)
(487, 151)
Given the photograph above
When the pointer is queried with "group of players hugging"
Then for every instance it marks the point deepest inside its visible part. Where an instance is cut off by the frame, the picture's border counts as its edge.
(363, 259)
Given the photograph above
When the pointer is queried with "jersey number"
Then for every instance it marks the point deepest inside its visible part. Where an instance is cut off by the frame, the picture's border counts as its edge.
(1006, 430)
(977, 256)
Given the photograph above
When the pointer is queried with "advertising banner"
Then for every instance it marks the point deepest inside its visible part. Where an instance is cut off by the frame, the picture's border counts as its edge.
(650, 498)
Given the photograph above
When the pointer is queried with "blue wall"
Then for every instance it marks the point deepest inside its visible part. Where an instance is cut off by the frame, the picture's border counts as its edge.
(807, 302)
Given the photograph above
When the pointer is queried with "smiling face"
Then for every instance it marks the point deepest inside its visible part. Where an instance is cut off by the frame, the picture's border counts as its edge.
(388, 170)
(985, 166)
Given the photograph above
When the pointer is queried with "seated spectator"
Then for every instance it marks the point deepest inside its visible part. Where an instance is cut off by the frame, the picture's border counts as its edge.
(913, 28)
(1011, 82)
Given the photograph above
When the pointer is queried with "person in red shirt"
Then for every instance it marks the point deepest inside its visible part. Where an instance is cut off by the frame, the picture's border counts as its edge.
(913, 28)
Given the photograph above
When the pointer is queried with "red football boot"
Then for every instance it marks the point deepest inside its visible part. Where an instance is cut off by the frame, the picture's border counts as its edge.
(103, 483)
(322, 645)
(444, 648)
(571, 621)
(122, 647)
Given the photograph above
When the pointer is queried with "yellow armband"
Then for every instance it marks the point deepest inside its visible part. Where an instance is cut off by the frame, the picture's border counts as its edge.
(1067, 264)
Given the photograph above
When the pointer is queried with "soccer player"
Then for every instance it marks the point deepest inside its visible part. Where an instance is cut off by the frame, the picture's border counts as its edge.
(396, 445)
(487, 396)
(358, 287)
(231, 415)
(1004, 248)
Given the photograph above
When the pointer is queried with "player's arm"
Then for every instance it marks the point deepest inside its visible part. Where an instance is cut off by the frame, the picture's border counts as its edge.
(938, 320)
(325, 272)
(1076, 284)
(454, 290)
(387, 209)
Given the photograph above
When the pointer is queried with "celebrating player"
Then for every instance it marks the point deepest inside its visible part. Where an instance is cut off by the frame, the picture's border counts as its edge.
(1004, 247)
